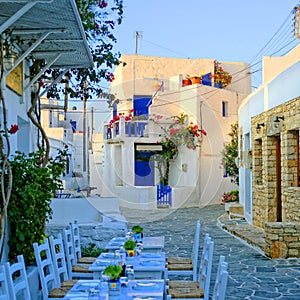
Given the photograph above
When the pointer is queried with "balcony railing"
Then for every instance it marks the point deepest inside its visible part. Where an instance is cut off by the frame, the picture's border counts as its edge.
(134, 128)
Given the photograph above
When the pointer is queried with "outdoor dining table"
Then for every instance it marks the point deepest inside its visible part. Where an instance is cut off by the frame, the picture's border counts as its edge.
(135, 290)
(147, 265)
(150, 243)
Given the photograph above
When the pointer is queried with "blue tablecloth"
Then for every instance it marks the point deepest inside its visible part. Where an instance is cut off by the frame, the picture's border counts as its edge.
(135, 290)
(148, 265)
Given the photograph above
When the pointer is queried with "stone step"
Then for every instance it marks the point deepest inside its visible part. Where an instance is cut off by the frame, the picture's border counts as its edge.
(236, 211)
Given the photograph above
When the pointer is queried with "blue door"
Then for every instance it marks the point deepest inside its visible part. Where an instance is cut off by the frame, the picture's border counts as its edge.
(141, 105)
(144, 169)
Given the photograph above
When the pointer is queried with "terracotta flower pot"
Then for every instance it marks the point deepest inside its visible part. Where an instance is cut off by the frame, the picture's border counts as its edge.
(196, 79)
(186, 82)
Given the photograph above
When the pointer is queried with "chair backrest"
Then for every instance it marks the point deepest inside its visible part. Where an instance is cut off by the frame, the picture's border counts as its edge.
(220, 286)
(222, 263)
(195, 251)
(69, 249)
(45, 267)
(76, 239)
(204, 251)
(4, 294)
(58, 259)
(206, 266)
(17, 281)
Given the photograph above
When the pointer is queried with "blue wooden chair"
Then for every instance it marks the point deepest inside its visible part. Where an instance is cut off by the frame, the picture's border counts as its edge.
(186, 265)
(187, 289)
(51, 289)
(17, 280)
(4, 293)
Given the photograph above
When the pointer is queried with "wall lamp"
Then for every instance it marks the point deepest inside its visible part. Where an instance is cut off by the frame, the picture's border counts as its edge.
(277, 121)
(8, 61)
(258, 126)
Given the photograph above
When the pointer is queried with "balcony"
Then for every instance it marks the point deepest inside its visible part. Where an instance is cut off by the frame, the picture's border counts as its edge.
(120, 130)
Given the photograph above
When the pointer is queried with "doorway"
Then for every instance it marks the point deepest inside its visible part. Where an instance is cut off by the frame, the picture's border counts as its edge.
(278, 180)
(144, 166)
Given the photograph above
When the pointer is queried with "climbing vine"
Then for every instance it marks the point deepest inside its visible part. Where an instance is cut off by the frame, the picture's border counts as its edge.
(29, 207)
(179, 132)
(230, 153)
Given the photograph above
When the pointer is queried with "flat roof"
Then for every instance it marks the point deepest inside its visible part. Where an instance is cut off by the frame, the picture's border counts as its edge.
(58, 21)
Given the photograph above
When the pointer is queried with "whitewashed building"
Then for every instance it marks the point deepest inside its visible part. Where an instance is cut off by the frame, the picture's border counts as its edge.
(154, 86)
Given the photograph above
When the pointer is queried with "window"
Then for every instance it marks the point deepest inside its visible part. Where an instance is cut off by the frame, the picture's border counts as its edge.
(224, 109)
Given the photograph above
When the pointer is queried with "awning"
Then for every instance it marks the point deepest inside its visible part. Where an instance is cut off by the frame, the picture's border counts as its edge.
(50, 30)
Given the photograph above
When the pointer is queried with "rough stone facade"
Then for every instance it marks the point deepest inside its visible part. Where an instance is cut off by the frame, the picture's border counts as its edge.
(282, 240)
(275, 182)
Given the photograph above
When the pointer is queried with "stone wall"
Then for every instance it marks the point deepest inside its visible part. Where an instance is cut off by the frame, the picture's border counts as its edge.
(282, 240)
(275, 186)
(275, 182)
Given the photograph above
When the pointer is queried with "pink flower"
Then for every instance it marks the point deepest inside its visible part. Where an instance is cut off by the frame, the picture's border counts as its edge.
(203, 132)
(13, 129)
(102, 4)
(111, 77)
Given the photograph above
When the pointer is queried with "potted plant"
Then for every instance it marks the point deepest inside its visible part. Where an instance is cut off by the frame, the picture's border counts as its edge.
(221, 77)
(113, 272)
(229, 198)
(137, 233)
(186, 81)
(129, 246)
(196, 79)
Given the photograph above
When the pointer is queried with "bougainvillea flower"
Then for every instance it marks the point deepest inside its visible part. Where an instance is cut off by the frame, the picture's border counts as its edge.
(102, 4)
(13, 129)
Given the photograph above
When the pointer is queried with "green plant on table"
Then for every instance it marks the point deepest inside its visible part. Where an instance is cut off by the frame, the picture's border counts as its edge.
(137, 229)
(129, 245)
(113, 272)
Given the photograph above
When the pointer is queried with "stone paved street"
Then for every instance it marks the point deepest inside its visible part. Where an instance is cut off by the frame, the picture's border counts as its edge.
(252, 275)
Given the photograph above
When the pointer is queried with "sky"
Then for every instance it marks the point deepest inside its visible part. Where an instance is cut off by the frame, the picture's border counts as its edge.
(232, 30)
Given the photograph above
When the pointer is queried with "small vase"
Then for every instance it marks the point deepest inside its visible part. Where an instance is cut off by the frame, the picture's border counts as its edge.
(114, 287)
(137, 237)
(130, 255)
(218, 85)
